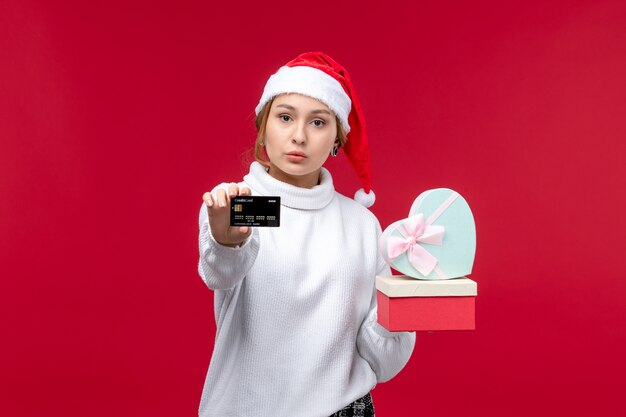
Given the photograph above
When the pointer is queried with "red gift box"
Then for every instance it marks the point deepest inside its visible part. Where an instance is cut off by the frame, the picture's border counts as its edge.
(409, 304)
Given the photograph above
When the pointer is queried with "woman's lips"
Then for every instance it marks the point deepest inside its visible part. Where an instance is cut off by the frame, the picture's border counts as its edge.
(296, 156)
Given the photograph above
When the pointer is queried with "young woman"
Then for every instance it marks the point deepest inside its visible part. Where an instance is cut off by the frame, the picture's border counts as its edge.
(295, 305)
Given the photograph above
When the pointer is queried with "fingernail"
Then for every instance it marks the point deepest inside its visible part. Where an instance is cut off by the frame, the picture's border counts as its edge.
(209, 203)
(222, 203)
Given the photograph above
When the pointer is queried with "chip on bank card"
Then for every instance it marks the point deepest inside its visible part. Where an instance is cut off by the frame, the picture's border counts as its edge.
(255, 211)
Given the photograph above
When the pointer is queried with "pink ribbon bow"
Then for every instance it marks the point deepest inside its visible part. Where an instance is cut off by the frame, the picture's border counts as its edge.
(414, 231)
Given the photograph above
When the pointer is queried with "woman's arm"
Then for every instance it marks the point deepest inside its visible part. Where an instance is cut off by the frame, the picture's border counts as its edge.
(222, 266)
(386, 352)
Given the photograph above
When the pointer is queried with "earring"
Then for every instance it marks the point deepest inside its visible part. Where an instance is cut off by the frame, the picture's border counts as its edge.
(334, 151)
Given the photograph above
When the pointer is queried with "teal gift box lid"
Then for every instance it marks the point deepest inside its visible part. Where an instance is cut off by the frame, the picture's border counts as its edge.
(436, 241)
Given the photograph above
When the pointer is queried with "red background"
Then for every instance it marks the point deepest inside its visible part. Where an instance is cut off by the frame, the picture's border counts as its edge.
(116, 117)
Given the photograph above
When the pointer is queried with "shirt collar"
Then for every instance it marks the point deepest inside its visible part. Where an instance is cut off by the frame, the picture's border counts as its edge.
(291, 196)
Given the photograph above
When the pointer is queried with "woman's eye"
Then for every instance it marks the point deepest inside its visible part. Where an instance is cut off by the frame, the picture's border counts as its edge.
(285, 117)
(319, 123)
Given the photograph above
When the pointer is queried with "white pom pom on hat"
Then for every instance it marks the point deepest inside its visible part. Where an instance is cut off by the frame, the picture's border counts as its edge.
(317, 75)
(365, 199)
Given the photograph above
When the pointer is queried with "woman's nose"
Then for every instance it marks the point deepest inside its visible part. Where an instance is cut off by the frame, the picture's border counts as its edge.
(299, 136)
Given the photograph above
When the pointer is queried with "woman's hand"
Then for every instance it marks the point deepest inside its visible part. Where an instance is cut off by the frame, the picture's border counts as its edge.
(219, 216)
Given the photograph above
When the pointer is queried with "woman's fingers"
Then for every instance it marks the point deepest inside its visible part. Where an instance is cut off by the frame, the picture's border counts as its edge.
(221, 198)
(208, 199)
(221, 195)
(233, 190)
(219, 215)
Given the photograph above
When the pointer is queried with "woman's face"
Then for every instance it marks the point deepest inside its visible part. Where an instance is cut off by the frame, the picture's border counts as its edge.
(299, 135)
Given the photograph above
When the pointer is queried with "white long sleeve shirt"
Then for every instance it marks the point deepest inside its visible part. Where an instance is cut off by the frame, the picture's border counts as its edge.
(295, 308)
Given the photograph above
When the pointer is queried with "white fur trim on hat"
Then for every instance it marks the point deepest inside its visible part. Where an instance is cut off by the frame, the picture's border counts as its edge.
(311, 82)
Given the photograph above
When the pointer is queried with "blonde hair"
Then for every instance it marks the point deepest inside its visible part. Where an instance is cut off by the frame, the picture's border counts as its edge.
(261, 122)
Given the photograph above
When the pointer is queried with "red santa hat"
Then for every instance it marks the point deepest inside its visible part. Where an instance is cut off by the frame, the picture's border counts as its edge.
(316, 75)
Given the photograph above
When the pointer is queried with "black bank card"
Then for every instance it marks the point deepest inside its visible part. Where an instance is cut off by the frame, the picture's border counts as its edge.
(255, 211)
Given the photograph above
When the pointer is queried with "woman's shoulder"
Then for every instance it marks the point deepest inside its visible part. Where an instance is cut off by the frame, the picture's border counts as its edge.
(356, 210)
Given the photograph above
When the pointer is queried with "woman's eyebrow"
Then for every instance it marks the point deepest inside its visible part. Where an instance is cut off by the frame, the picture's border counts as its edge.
(321, 111)
(290, 107)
